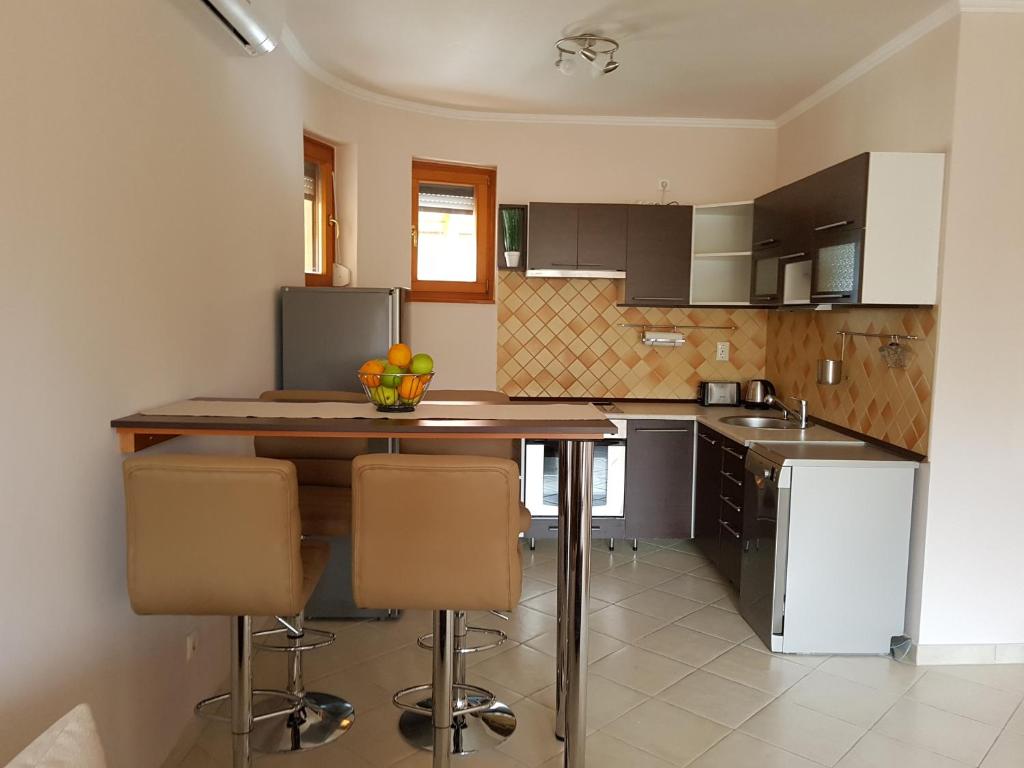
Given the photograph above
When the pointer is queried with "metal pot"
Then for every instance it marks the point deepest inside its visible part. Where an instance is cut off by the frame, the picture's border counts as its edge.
(757, 391)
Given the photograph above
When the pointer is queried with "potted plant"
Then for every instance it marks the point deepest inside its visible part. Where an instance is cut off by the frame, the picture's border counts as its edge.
(512, 225)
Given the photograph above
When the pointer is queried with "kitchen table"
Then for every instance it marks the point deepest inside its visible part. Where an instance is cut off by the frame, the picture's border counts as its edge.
(575, 426)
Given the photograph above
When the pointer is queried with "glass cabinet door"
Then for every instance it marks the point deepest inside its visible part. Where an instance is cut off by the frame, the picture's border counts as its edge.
(836, 270)
(765, 280)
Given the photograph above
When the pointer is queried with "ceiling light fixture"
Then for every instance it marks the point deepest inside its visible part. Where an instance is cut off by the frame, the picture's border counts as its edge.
(592, 48)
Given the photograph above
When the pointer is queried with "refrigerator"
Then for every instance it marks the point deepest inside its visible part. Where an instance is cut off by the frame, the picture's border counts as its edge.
(325, 334)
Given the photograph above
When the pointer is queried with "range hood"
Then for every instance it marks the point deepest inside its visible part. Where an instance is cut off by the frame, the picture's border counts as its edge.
(581, 272)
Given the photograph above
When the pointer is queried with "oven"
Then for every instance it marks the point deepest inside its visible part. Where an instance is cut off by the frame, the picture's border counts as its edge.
(540, 485)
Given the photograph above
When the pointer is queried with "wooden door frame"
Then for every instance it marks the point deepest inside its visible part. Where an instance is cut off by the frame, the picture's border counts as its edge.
(323, 155)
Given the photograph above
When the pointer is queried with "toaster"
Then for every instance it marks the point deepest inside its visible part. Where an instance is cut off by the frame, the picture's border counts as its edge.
(718, 393)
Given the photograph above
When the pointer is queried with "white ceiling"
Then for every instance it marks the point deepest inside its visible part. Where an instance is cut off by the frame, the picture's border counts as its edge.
(726, 59)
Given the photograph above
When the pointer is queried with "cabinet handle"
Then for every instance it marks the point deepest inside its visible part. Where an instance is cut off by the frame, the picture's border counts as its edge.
(793, 255)
(731, 503)
(558, 264)
(731, 452)
(729, 528)
(730, 476)
(766, 241)
(599, 266)
(831, 295)
(707, 439)
(662, 429)
(833, 225)
(658, 298)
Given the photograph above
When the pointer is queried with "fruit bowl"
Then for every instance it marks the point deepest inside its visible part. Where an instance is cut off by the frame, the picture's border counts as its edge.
(395, 392)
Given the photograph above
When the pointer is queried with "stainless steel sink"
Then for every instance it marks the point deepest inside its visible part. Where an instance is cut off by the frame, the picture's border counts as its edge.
(760, 422)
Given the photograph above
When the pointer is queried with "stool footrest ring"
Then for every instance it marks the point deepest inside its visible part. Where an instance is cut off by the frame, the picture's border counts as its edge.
(487, 699)
(427, 641)
(294, 701)
(309, 640)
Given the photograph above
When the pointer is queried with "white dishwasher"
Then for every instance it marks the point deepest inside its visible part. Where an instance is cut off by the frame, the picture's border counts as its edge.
(826, 542)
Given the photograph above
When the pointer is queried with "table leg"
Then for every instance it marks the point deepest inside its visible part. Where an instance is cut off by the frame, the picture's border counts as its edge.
(576, 460)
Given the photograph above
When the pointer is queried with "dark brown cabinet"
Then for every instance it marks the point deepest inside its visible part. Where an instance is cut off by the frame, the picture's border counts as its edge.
(838, 196)
(659, 479)
(718, 515)
(573, 236)
(658, 253)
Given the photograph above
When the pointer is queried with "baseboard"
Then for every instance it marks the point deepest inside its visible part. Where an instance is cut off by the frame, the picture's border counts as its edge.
(940, 655)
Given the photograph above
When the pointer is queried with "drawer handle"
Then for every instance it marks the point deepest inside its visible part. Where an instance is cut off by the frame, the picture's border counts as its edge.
(831, 295)
(707, 439)
(731, 503)
(730, 476)
(658, 298)
(833, 225)
(731, 452)
(766, 241)
(729, 528)
(662, 429)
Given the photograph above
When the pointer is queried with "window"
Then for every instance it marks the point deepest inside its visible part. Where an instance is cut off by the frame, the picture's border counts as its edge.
(320, 221)
(452, 233)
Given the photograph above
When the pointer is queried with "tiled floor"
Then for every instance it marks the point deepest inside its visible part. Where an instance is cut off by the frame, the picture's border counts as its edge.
(677, 679)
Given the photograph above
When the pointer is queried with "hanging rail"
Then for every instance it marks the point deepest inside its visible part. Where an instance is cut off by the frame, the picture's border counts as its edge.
(892, 336)
(667, 326)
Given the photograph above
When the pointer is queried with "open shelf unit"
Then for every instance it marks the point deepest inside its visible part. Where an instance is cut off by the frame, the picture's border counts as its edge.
(720, 267)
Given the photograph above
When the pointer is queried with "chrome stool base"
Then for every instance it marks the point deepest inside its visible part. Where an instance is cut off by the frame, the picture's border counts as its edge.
(470, 733)
(319, 719)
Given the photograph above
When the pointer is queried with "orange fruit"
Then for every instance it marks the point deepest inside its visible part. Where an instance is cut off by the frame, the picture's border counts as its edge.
(400, 355)
(410, 388)
(369, 371)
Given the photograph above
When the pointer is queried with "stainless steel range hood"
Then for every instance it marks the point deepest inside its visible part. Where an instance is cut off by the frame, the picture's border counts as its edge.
(612, 274)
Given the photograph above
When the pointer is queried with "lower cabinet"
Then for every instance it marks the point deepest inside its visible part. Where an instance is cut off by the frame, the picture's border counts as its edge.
(718, 516)
(659, 479)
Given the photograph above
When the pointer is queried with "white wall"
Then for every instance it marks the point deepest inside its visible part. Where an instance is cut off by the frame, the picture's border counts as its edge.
(149, 209)
(535, 162)
(972, 579)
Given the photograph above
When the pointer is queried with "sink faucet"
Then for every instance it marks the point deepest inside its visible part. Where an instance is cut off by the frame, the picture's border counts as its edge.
(799, 415)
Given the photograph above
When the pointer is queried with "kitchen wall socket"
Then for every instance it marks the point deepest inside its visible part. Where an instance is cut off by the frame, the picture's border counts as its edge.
(191, 645)
(722, 351)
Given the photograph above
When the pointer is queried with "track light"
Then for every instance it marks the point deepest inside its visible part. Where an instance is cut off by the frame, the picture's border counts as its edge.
(589, 47)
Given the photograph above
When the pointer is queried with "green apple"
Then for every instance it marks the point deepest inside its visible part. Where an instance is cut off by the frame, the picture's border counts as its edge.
(390, 381)
(421, 363)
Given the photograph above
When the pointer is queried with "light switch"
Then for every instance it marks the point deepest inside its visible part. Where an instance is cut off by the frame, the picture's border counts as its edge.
(722, 354)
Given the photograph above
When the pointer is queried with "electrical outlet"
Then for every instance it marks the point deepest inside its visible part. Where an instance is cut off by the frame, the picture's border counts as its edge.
(191, 645)
(722, 352)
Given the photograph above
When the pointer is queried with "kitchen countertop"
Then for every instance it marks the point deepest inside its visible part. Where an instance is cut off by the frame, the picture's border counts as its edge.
(711, 417)
(828, 454)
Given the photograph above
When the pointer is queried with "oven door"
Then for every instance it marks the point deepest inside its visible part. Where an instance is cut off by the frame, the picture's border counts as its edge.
(540, 487)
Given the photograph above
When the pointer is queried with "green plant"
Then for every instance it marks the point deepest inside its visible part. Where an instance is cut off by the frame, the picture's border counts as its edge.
(512, 220)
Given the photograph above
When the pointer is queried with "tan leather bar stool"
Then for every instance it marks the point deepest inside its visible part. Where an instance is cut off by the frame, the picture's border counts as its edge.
(454, 522)
(220, 535)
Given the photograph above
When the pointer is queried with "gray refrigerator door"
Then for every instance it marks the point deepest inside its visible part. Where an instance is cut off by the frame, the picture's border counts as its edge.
(327, 333)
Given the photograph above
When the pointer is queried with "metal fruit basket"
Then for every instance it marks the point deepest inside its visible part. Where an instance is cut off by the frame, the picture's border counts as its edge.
(395, 392)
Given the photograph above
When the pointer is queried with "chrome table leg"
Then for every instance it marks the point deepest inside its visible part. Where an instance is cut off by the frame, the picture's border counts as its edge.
(442, 679)
(241, 691)
(574, 516)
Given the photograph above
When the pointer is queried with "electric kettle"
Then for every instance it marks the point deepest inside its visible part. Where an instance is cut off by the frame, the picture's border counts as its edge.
(757, 390)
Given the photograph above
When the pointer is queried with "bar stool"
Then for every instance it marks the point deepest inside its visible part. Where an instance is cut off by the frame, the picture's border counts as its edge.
(454, 522)
(220, 535)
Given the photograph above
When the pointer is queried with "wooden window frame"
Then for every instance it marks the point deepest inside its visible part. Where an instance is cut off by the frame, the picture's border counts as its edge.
(323, 155)
(483, 181)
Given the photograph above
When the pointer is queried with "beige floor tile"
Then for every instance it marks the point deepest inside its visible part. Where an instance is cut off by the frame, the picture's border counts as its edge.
(803, 659)
(710, 573)
(1008, 752)
(505, 694)
(696, 589)
(767, 673)
(714, 621)
(606, 700)
(523, 623)
(644, 574)
(490, 758)
(548, 603)
(610, 589)
(604, 751)
(661, 605)
(716, 698)
(406, 666)
(879, 672)
(737, 750)
(685, 645)
(534, 739)
(365, 641)
(360, 685)
(533, 588)
(624, 624)
(601, 560)
(546, 571)
(598, 645)
(943, 732)
(682, 562)
(642, 670)
(842, 698)
(330, 756)
(803, 731)
(1016, 723)
(666, 731)
(196, 758)
(878, 751)
(1008, 677)
(522, 669)
(730, 602)
(375, 738)
(685, 545)
(625, 545)
(965, 697)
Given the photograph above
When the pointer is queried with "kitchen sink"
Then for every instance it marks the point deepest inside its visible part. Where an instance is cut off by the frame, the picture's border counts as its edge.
(760, 422)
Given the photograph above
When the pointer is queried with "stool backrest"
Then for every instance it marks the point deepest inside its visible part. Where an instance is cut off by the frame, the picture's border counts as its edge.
(435, 532)
(213, 535)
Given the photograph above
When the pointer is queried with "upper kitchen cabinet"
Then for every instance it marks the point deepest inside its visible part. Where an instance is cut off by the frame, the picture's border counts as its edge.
(721, 256)
(577, 240)
(864, 231)
(658, 251)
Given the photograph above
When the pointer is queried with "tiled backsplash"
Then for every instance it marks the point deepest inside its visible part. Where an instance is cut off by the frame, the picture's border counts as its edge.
(561, 338)
(890, 404)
